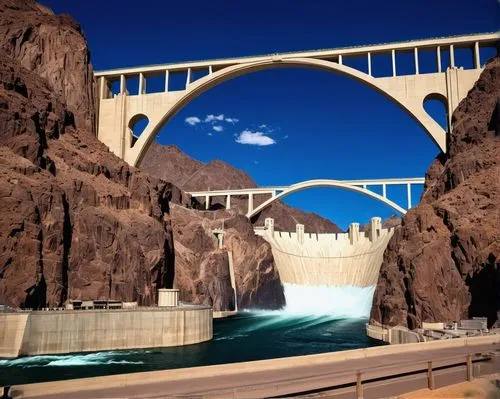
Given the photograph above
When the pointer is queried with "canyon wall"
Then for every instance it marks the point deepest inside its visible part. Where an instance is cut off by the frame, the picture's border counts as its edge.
(76, 222)
(202, 269)
(443, 264)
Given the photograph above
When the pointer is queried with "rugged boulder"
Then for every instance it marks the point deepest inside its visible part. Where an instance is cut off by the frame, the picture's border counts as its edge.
(443, 264)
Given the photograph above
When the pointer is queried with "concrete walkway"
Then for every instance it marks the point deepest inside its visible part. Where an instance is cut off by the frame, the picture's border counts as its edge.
(276, 377)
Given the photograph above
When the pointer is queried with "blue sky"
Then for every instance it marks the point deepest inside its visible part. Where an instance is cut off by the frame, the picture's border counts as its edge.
(320, 125)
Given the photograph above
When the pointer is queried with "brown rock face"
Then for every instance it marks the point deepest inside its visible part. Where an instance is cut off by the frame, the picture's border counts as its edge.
(202, 270)
(76, 222)
(52, 47)
(443, 264)
(171, 164)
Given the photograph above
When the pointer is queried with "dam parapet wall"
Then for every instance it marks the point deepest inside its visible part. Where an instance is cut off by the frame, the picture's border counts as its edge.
(65, 331)
(343, 259)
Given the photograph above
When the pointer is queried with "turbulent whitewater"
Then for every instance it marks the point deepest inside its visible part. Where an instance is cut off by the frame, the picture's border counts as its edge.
(336, 302)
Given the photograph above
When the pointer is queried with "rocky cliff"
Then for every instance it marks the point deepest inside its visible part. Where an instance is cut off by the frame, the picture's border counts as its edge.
(443, 264)
(171, 164)
(202, 270)
(76, 222)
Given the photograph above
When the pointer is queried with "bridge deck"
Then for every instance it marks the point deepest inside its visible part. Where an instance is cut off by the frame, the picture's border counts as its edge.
(272, 189)
(458, 41)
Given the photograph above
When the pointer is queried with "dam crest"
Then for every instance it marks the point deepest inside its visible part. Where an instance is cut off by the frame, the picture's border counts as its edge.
(343, 259)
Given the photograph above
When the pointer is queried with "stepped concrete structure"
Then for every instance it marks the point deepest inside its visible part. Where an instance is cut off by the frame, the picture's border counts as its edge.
(345, 259)
(366, 187)
(120, 110)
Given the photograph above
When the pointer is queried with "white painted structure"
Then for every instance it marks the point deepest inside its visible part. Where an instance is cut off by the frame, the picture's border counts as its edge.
(119, 113)
(168, 297)
(344, 259)
(276, 193)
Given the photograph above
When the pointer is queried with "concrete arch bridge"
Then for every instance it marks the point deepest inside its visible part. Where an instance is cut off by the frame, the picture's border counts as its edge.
(119, 112)
(366, 187)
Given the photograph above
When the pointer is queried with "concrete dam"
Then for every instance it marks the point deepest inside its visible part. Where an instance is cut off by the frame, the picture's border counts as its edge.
(351, 259)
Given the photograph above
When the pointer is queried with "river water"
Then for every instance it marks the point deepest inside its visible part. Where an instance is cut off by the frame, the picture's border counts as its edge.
(316, 320)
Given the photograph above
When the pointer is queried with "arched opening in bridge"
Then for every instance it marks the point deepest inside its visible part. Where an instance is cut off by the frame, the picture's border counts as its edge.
(136, 127)
(322, 125)
(437, 108)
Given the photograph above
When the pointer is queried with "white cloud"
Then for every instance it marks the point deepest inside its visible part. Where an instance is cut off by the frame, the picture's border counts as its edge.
(209, 133)
(256, 162)
(263, 126)
(218, 128)
(192, 120)
(214, 118)
(232, 120)
(254, 138)
(285, 136)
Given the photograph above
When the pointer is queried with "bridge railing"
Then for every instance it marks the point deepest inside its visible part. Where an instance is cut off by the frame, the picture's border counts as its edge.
(364, 186)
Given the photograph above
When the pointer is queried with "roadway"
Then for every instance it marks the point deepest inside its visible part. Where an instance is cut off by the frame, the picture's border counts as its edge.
(379, 370)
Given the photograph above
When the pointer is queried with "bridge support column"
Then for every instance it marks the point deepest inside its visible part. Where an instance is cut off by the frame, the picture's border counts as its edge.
(415, 54)
(250, 203)
(438, 58)
(269, 225)
(477, 57)
(299, 230)
(142, 84)
(354, 233)
(228, 202)
(393, 56)
(456, 89)
(375, 228)
(408, 193)
(123, 84)
(207, 202)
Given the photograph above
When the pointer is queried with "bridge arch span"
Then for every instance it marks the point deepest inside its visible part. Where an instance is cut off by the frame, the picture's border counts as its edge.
(324, 183)
(160, 116)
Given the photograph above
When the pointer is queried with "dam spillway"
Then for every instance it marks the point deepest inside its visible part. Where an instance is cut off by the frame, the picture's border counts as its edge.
(343, 259)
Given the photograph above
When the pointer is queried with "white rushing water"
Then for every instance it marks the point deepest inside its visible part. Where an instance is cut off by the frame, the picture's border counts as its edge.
(81, 359)
(337, 302)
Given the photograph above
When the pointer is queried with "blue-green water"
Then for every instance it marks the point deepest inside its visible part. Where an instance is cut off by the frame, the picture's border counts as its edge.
(248, 336)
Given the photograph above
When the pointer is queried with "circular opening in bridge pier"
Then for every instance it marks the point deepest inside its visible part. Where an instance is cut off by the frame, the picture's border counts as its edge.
(437, 108)
(136, 127)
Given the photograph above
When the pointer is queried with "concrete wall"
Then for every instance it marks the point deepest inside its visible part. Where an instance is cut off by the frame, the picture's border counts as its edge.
(328, 259)
(12, 327)
(85, 331)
